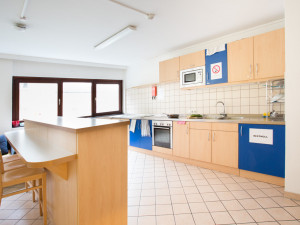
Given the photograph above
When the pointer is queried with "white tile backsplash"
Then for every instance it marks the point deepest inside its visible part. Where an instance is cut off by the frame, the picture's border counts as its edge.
(238, 99)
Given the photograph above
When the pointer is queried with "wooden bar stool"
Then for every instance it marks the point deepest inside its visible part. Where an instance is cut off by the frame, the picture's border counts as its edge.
(10, 158)
(25, 175)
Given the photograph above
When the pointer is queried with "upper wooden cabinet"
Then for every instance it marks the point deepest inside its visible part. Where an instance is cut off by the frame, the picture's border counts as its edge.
(192, 60)
(240, 60)
(181, 142)
(169, 70)
(257, 58)
(269, 54)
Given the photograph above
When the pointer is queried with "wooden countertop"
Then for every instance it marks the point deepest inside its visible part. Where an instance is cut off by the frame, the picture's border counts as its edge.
(75, 123)
(38, 153)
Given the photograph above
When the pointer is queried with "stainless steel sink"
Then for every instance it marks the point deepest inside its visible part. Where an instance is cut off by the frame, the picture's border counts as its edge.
(218, 117)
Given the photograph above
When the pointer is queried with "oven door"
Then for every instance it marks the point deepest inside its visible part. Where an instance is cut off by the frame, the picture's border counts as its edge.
(162, 137)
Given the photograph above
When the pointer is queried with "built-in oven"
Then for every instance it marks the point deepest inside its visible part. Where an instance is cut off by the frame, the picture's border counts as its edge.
(162, 133)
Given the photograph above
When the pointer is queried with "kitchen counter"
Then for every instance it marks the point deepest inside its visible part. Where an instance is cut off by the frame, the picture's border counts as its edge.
(245, 119)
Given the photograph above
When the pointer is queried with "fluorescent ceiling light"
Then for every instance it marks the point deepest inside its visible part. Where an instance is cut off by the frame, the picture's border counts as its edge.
(115, 37)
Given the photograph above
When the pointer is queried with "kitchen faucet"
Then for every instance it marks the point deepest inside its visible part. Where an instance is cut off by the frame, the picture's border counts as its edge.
(222, 114)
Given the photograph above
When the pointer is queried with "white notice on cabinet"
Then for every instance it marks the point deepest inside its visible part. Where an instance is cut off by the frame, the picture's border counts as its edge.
(216, 71)
(261, 136)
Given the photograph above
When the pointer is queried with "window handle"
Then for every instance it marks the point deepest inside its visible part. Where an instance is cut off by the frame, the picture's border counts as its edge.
(59, 101)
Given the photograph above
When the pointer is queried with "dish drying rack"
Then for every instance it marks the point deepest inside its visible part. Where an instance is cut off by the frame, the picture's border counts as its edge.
(275, 95)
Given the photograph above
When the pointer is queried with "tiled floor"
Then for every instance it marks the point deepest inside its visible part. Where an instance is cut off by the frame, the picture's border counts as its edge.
(164, 192)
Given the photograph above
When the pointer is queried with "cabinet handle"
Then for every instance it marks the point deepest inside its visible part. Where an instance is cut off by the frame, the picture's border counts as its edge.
(213, 136)
(241, 130)
(256, 69)
(206, 76)
(250, 75)
(208, 136)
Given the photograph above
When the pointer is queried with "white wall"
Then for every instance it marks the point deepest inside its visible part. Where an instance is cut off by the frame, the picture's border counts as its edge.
(6, 70)
(292, 46)
(147, 72)
(9, 68)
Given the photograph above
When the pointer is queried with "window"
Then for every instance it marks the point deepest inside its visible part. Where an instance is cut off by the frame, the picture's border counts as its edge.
(48, 97)
(77, 99)
(37, 100)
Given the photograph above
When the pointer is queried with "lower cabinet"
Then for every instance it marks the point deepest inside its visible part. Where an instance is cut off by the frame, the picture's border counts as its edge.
(225, 148)
(262, 149)
(200, 145)
(181, 142)
(136, 139)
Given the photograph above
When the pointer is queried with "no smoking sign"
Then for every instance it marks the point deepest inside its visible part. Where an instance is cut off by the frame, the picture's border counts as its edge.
(216, 71)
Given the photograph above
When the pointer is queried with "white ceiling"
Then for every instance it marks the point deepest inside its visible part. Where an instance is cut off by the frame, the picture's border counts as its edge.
(68, 29)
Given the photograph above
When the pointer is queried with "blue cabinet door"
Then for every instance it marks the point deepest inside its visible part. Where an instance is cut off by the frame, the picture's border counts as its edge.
(136, 139)
(211, 63)
(262, 158)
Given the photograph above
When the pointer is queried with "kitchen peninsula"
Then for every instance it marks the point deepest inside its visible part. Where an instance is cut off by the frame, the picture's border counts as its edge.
(86, 163)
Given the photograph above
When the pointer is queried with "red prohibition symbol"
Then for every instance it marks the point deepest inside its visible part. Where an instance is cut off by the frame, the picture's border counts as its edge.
(216, 69)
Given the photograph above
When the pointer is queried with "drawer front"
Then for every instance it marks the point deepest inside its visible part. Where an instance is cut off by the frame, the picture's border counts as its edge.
(234, 127)
(200, 125)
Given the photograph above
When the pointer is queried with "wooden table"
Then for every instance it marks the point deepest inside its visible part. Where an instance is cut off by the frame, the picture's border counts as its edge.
(86, 162)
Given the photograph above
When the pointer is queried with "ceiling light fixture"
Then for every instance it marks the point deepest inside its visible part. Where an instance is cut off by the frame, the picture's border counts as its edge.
(149, 16)
(115, 37)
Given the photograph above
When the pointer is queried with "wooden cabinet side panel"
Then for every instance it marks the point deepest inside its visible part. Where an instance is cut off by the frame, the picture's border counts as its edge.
(192, 60)
(102, 175)
(181, 140)
(225, 148)
(240, 60)
(62, 197)
(269, 54)
(200, 145)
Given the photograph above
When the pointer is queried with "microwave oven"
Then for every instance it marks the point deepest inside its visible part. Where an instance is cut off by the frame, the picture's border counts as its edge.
(192, 77)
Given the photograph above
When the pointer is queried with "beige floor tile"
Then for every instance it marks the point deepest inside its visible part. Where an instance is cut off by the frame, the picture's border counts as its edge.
(148, 193)
(241, 216)
(234, 187)
(248, 186)
(227, 180)
(289, 222)
(205, 189)
(9, 222)
(210, 176)
(225, 195)
(161, 185)
(194, 198)
(215, 206)
(203, 219)
(267, 202)
(15, 204)
(219, 187)
(176, 191)
(280, 214)
(165, 220)
(201, 182)
(282, 201)
(181, 208)
(5, 213)
(198, 207)
(261, 184)
(38, 222)
(178, 199)
(134, 201)
(212, 181)
(256, 193)
(210, 197)
(271, 192)
(294, 211)
(188, 183)
(260, 215)
(164, 209)
(147, 201)
(25, 222)
(146, 220)
(222, 218)
(240, 194)
(147, 210)
(268, 223)
(249, 204)
(240, 179)
(190, 190)
(184, 219)
(162, 200)
(232, 205)
(132, 220)
(162, 192)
